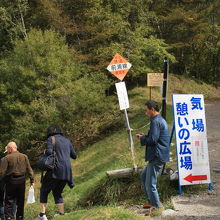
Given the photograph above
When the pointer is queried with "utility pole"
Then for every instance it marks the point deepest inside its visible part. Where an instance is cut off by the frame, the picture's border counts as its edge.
(165, 82)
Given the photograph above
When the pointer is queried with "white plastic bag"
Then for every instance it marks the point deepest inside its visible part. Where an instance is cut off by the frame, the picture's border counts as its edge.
(174, 175)
(31, 197)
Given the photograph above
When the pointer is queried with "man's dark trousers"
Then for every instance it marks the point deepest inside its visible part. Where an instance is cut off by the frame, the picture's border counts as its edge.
(15, 192)
(2, 196)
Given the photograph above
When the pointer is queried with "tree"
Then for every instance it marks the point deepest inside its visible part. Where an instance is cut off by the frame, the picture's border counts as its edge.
(191, 28)
(109, 27)
(12, 22)
(43, 83)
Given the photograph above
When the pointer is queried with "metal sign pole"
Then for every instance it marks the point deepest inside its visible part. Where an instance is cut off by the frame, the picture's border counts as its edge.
(179, 185)
(165, 79)
(130, 139)
(171, 137)
(210, 187)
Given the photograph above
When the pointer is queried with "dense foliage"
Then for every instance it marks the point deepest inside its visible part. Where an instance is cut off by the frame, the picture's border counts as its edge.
(54, 54)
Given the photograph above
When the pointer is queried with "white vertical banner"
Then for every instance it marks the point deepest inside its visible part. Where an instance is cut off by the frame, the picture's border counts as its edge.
(191, 139)
(122, 95)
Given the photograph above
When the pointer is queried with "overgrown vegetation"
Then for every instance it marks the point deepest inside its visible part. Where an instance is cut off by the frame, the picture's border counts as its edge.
(54, 54)
(43, 83)
(94, 191)
(53, 59)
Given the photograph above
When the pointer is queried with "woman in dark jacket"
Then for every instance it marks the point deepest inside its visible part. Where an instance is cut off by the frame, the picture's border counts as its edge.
(56, 180)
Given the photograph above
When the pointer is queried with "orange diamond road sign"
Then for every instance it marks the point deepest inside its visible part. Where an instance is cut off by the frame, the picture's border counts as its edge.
(119, 66)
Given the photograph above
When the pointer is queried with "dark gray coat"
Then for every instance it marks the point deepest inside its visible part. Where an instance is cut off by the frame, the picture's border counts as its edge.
(64, 151)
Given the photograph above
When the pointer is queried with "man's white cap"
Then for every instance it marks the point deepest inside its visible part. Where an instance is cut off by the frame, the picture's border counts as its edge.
(6, 149)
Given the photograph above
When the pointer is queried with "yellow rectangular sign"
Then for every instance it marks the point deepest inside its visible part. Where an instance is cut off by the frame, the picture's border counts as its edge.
(154, 79)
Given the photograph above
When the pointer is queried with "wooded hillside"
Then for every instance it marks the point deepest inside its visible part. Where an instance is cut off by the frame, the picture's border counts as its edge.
(54, 54)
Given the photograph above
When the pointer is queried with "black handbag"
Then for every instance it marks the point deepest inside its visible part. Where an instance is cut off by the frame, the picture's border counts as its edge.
(48, 162)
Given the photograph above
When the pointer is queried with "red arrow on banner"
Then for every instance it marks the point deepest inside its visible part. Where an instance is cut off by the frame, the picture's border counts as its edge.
(190, 178)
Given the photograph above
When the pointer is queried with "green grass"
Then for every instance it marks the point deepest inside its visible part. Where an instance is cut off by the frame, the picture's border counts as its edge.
(95, 196)
(102, 213)
(182, 85)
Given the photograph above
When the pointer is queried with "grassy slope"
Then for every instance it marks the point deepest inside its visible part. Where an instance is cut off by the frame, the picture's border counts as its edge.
(102, 213)
(113, 153)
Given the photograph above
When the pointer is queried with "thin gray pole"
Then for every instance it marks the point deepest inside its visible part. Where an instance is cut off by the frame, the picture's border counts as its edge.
(130, 139)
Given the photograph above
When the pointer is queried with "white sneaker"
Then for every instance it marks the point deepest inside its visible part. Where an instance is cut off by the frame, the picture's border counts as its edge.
(44, 217)
(57, 214)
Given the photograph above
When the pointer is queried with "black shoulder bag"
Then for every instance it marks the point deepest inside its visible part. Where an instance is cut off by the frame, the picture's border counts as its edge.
(48, 162)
